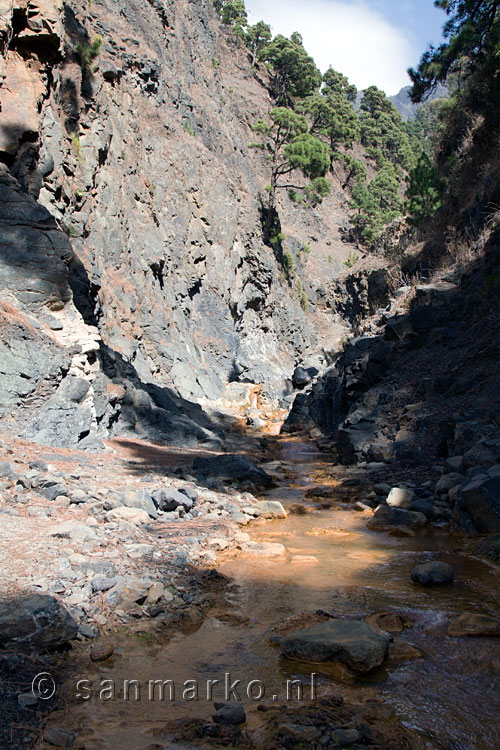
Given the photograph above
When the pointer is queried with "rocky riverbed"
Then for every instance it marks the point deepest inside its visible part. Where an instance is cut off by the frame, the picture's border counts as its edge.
(267, 583)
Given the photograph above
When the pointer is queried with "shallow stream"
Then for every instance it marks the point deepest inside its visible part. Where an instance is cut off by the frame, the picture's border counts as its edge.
(451, 696)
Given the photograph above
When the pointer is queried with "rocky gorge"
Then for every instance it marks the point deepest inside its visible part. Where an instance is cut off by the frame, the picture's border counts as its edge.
(219, 453)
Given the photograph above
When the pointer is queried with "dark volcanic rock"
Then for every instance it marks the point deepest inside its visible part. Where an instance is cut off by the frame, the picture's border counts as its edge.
(229, 713)
(358, 645)
(35, 622)
(232, 467)
(386, 517)
(168, 499)
(480, 498)
(432, 574)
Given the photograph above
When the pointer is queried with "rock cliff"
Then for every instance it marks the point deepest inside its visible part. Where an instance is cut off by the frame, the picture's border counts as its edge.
(132, 257)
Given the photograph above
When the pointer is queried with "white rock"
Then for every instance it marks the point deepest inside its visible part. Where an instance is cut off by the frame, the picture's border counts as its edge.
(400, 497)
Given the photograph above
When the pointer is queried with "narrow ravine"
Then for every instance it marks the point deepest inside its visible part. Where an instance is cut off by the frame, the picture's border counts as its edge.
(334, 564)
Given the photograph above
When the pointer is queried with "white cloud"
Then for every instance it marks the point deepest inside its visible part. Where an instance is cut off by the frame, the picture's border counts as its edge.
(352, 37)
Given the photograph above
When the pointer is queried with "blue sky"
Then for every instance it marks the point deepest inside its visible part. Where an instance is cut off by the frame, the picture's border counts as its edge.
(370, 41)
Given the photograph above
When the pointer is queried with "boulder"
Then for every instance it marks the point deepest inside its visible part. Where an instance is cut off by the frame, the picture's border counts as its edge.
(168, 499)
(74, 530)
(426, 506)
(101, 651)
(433, 573)
(474, 625)
(400, 497)
(302, 376)
(135, 516)
(269, 509)
(481, 499)
(128, 591)
(448, 481)
(141, 499)
(229, 713)
(358, 645)
(232, 467)
(386, 517)
(391, 622)
(35, 621)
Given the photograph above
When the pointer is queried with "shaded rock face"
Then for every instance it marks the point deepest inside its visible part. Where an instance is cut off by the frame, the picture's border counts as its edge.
(35, 622)
(232, 467)
(160, 274)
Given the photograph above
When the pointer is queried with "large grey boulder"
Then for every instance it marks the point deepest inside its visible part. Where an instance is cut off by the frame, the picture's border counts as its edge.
(36, 622)
(432, 574)
(358, 645)
(141, 499)
(232, 467)
(386, 517)
(169, 499)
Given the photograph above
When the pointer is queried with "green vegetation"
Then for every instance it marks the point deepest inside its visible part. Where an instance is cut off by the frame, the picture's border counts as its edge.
(89, 51)
(351, 260)
(464, 149)
(424, 191)
(291, 147)
(215, 63)
(75, 140)
(304, 302)
(332, 112)
(69, 230)
(295, 75)
(187, 127)
(314, 128)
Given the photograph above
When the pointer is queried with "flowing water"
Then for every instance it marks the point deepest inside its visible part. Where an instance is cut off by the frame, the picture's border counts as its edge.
(450, 696)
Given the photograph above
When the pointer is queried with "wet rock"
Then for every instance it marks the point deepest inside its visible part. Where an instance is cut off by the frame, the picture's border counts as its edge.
(102, 651)
(264, 549)
(232, 467)
(425, 507)
(400, 497)
(432, 574)
(401, 651)
(358, 645)
(229, 713)
(391, 622)
(35, 622)
(386, 517)
(474, 625)
(59, 737)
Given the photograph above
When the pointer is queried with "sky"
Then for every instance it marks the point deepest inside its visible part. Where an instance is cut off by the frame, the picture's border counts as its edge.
(372, 42)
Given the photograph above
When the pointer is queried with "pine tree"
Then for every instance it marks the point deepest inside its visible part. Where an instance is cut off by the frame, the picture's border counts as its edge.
(295, 74)
(291, 147)
(424, 191)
